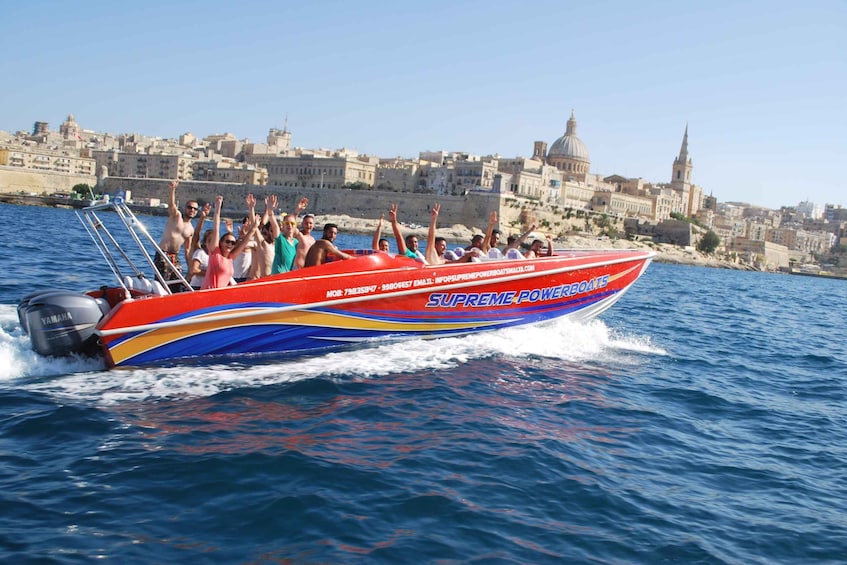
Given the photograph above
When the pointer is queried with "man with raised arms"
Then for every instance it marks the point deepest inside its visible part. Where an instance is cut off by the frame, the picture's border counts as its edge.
(176, 239)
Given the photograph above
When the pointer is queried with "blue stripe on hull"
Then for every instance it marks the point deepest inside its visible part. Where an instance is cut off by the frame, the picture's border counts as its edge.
(285, 339)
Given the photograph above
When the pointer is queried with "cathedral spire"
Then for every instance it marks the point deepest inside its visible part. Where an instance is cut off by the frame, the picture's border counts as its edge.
(683, 151)
(682, 165)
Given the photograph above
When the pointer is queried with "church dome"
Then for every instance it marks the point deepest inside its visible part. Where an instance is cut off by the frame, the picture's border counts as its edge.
(569, 145)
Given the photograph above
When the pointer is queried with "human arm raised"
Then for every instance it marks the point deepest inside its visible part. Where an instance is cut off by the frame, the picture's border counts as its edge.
(432, 257)
(299, 258)
(377, 233)
(173, 211)
(492, 221)
(301, 205)
(198, 230)
(401, 243)
(270, 205)
(216, 226)
(250, 231)
(191, 245)
(517, 243)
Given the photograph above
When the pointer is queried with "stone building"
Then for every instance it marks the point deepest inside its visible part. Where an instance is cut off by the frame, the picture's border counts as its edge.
(322, 169)
(155, 165)
(228, 170)
(47, 160)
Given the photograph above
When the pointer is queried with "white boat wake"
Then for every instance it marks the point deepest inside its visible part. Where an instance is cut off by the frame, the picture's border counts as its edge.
(87, 380)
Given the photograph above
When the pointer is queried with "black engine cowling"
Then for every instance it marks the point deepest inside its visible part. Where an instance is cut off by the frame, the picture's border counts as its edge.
(61, 322)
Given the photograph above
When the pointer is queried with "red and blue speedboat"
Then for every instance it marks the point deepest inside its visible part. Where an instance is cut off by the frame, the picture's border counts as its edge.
(372, 298)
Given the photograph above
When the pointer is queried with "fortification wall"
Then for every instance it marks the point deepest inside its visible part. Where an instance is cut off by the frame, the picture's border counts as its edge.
(15, 179)
(471, 210)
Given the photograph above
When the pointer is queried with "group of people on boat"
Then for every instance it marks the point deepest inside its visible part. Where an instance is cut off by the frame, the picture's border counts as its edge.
(269, 244)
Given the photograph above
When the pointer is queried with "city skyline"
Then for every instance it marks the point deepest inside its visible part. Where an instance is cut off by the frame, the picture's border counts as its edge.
(759, 86)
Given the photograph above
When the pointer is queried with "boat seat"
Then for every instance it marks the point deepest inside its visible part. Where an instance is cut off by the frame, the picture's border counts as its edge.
(143, 285)
(459, 252)
(514, 254)
(495, 253)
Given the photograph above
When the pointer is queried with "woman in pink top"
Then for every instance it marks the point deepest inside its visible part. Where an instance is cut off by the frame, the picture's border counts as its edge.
(220, 268)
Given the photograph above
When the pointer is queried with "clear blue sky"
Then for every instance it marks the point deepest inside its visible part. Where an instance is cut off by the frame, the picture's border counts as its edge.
(760, 84)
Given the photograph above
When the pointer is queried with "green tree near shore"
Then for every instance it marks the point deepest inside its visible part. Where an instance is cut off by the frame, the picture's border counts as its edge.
(83, 190)
(709, 242)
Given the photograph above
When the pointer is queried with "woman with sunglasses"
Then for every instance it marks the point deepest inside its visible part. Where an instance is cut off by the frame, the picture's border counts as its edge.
(220, 268)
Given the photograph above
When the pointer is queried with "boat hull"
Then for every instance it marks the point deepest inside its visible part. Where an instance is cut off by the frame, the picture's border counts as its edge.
(369, 299)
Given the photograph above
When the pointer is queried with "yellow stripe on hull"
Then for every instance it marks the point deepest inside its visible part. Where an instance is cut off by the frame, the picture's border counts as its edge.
(156, 338)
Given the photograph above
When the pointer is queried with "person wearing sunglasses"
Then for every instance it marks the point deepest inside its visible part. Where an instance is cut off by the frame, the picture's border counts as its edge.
(220, 269)
(176, 240)
(287, 238)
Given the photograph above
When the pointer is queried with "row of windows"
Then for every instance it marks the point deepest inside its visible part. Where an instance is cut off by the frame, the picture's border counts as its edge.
(286, 170)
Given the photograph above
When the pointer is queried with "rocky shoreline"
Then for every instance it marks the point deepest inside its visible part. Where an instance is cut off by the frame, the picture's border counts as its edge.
(461, 235)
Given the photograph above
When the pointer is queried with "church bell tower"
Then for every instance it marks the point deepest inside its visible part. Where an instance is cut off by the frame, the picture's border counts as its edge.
(682, 166)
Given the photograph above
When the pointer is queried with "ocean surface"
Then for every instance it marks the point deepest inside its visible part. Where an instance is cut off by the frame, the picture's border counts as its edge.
(702, 419)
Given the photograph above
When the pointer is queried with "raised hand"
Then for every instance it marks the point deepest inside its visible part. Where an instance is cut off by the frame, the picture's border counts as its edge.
(270, 202)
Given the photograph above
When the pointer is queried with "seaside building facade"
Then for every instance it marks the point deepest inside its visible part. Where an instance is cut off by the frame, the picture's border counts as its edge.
(557, 177)
(323, 169)
(41, 159)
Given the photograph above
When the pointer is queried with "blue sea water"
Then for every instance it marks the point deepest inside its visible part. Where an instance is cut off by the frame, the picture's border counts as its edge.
(700, 420)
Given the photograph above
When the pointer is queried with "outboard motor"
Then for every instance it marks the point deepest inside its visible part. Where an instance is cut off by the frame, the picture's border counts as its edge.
(61, 322)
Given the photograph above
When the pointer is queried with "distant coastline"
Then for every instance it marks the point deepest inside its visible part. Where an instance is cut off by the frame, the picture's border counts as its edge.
(456, 234)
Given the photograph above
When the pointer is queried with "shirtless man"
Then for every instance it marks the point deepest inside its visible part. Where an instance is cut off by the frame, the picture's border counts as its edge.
(308, 240)
(264, 255)
(318, 252)
(176, 239)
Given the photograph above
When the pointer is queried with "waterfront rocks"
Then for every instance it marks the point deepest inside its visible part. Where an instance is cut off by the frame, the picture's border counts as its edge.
(461, 235)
